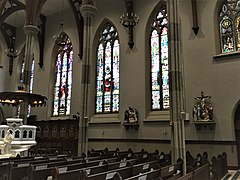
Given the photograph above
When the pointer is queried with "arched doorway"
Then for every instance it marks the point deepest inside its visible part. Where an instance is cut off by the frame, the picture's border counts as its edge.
(237, 131)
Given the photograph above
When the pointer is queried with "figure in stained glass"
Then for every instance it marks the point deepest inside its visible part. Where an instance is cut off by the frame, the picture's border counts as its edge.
(63, 80)
(159, 61)
(107, 67)
(229, 26)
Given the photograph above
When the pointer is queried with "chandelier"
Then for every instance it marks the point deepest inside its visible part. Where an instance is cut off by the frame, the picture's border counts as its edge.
(129, 20)
(61, 39)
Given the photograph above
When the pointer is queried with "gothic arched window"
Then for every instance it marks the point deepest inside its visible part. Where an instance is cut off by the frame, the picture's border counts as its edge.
(159, 61)
(63, 80)
(229, 26)
(107, 72)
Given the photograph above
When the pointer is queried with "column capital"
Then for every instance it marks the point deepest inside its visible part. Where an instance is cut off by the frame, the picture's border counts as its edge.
(88, 10)
(30, 29)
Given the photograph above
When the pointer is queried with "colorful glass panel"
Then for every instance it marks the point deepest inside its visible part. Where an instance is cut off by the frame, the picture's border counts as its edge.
(63, 81)
(107, 68)
(159, 62)
(229, 26)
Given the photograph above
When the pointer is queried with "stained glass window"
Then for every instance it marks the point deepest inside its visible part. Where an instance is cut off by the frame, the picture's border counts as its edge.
(63, 80)
(159, 61)
(229, 26)
(107, 76)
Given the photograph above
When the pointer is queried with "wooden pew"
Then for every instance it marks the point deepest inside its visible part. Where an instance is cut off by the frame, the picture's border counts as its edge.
(72, 171)
(201, 173)
(43, 171)
(172, 171)
(5, 171)
(216, 168)
(19, 169)
(114, 174)
(144, 167)
(67, 172)
(126, 156)
(188, 176)
(225, 164)
(150, 175)
(123, 172)
(22, 159)
(165, 159)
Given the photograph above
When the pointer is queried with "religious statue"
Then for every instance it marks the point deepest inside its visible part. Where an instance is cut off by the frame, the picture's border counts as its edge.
(203, 110)
(7, 142)
(131, 115)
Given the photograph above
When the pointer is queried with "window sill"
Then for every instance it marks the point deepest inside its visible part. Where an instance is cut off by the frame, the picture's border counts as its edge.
(226, 55)
(158, 116)
(104, 118)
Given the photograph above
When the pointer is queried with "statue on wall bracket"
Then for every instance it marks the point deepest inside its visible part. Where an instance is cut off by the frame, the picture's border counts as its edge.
(131, 115)
(203, 110)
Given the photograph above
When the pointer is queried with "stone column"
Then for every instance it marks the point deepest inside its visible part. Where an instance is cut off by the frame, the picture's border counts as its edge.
(176, 86)
(31, 32)
(88, 11)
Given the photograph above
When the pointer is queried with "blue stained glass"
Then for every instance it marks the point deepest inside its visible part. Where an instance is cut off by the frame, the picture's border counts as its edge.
(107, 71)
(63, 81)
(159, 61)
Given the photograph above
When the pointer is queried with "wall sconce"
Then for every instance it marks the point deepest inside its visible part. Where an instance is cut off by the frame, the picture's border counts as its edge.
(129, 20)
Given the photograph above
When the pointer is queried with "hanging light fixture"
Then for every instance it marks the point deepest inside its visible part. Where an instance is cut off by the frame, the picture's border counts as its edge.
(17, 97)
(11, 52)
(61, 38)
(129, 20)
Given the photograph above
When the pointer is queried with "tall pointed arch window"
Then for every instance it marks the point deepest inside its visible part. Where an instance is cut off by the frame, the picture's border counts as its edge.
(63, 80)
(107, 68)
(159, 61)
(229, 26)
